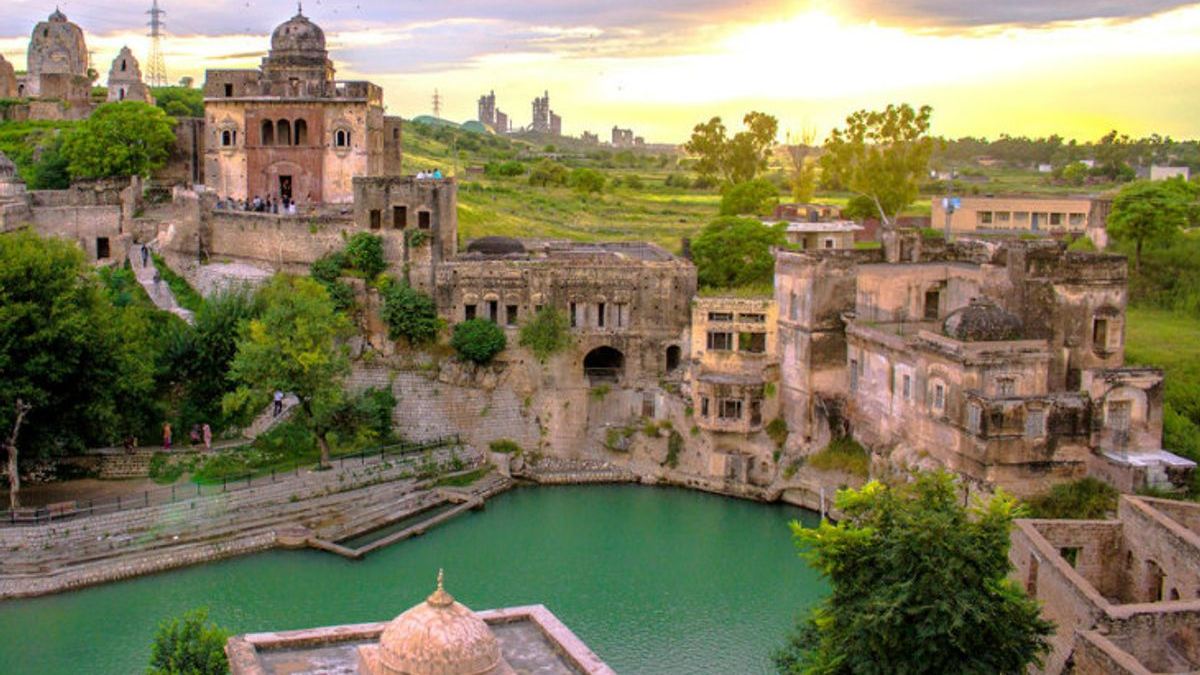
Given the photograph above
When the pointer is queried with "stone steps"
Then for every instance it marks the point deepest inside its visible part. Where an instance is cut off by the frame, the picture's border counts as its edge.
(130, 465)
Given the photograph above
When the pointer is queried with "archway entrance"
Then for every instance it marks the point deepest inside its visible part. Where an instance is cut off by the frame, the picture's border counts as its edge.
(672, 358)
(603, 364)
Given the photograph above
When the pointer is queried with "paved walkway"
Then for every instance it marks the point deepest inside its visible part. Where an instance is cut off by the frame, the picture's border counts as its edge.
(159, 292)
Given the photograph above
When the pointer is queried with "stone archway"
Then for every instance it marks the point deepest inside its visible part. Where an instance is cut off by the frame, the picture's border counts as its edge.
(673, 356)
(604, 364)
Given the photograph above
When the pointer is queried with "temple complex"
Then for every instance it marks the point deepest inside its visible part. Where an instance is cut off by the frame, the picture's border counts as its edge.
(125, 79)
(438, 636)
(289, 130)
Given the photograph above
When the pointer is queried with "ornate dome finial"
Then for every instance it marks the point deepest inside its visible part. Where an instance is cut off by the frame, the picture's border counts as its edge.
(440, 598)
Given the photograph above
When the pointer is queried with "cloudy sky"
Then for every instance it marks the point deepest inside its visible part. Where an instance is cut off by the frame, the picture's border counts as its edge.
(1075, 67)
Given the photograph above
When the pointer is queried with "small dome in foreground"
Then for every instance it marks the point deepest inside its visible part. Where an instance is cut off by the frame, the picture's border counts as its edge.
(983, 321)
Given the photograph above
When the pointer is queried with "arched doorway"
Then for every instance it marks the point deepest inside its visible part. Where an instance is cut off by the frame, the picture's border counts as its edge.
(603, 364)
(673, 353)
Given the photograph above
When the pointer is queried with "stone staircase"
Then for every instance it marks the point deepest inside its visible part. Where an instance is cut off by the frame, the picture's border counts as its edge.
(267, 419)
(125, 465)
(88, 550)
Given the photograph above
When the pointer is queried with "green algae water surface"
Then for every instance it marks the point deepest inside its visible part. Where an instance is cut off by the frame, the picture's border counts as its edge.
(654, 580)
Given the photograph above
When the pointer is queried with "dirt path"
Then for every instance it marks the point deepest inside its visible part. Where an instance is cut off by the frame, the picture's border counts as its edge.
(80, 490)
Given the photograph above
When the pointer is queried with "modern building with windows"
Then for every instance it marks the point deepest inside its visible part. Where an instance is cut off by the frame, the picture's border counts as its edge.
(1067, 216)
(290, 131)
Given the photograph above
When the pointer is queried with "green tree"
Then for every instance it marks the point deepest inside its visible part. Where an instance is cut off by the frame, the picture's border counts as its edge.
(547, 173)
(478, 340)
(586, 181)
(297, 346)
(881, 156)
(802, 173)
(129, 138)
(737, 159)
(756, 197)
(188, 101)
(202, 365)
(189, 645)
(364, 253)
(732, 252)
(1151, 212)
(409, 314)
(49, 171)
(546, 333)
(66, 354)
(919, 586)
(1075, 173)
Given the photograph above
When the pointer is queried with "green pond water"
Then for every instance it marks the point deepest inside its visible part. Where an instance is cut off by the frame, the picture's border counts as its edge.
(653, 580)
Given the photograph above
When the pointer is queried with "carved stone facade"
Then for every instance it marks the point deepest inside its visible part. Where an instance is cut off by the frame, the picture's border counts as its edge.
(57, 62)
(125, 79)
(1001, 361)
(734, 369)
(289, 130)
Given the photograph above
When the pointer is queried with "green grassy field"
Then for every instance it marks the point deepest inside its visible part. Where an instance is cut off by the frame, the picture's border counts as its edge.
(1171, 341)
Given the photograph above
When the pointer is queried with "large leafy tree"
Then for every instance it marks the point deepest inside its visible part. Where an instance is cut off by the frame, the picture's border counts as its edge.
(201, 355)
(881, 156)
(296, 345)
(919, 586)
(753, 198)
(68, 358)
(129, 138)
(478, 340)
(732, 252)
(737, 159)
(1149, 212)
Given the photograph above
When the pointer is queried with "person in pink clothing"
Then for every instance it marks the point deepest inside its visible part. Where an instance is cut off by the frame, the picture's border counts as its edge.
(206, 431)
(166, 435)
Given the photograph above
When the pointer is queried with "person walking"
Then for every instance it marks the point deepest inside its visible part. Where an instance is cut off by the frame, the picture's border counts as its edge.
(278, 403)
(206, 431)
(166, 435)
(145, 255)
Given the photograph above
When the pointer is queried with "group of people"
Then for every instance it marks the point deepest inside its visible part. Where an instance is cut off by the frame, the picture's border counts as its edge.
(200, 433)
(436, 174)
(259, 205)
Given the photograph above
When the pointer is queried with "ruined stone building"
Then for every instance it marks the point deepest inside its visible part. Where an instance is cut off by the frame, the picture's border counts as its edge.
(8, 79)
(58, 78)
(125, 79)
(622, 138)
(545, 121)
(1002, 361)
(487, 109)
(290, 131)
(1124, 594)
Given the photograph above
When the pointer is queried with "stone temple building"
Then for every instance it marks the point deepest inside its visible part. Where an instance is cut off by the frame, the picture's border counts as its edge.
(439, 636)
(125, 79)
(57, 62)
(289, 130)
(8, 79)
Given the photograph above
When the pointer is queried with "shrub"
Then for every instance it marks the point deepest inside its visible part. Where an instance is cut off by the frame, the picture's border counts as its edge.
(548, 332)
(756, 198)
(548, 173)
(1082, 244)
(633, 182)
(189, 645)
(1085, 499)
(506, 446)
(674, 446)
(478, 340)
(409, 313)
(364, 253)
(598, 392)
(328, 267)
(842, 454)
(503, 169)
(777, 430)
(586, 181)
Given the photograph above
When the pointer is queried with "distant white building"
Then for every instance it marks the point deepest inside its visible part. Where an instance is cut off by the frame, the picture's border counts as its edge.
(1166, 172)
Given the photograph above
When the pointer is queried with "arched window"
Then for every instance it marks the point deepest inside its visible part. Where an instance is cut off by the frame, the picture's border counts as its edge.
(283, 132)
(122, 65)
(301, 131)
(121, 93)
(227, 138)
(341, 138)
(268, 132)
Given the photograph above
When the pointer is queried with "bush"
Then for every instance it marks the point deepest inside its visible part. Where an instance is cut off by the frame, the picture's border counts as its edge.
(754, 198)
(674, 446)
(364, 253)
(777, 431)
(328, 268)
(678, 180)
(1083, 245)
(409, 314)
(1085, 499)
(478, 340)
(586, 181)
(633, 182)
(548, 173)
(507, 169)
(842, 454)
(505, 446)
(189, 645)
(732, 252)
(547, 333)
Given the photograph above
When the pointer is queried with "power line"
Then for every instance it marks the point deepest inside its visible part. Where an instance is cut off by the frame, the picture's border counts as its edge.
(156, 69)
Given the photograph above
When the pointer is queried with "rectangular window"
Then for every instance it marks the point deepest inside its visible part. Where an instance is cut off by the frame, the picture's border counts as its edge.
(423, 220)
(510, 315)
(1076, 219)
(574, 315)
(753, 343)
(794, 308)
(376, 219)
(729, 409)
(493, 311)
(828, 243)
(752, 318)
(1118, 415)
(1035, 423)
(468, 312)
(102, 250)
(537, 309)
(853, 374)
(907, 388)
(1070, 554)
(939, 397)
(974, 415)
(1006, 387)
(985, 217)
(1003, 217)
(704, 406)
(1021, 216)
(621, 311)
(1100, 334)
(601, 315)
(755, 411)
(228, 90)
(718, 341)
(720, 316)
(932, 300)
(399, 217)
(1056, 219)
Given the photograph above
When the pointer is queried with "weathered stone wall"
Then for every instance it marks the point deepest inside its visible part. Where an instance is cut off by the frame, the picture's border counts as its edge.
(1162, 557)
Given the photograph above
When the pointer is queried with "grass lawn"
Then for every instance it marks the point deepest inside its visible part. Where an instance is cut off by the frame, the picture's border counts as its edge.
(1171, 341)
